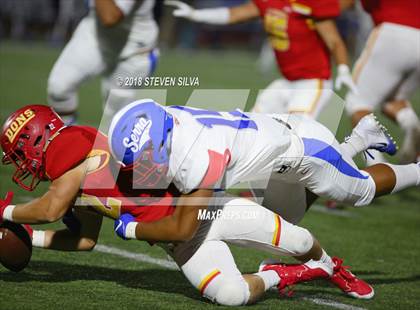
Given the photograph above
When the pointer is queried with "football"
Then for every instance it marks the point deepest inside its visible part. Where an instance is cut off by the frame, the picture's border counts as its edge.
(15, 246)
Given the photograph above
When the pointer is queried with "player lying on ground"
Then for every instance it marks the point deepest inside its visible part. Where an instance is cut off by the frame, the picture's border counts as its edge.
(303, 36)
(35, 140)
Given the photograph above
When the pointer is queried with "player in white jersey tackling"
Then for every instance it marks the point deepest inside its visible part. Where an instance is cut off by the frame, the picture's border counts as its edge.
(117, 40)
(210, 149)
(201, 151)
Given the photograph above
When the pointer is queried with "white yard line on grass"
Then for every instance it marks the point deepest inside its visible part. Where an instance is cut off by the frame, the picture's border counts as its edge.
(171, 265)
(331, 303)
(136, 256)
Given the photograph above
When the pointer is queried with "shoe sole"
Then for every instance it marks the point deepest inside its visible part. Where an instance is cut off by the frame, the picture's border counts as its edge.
(392, 147)
(357, 296)
(268, 261)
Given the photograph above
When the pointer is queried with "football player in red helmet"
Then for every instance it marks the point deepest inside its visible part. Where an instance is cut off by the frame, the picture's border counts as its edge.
(77, 162)
(24, 138)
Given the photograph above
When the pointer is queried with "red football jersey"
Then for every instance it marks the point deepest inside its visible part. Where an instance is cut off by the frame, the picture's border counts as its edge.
(107, 190)
(403, 12)
(299, 50)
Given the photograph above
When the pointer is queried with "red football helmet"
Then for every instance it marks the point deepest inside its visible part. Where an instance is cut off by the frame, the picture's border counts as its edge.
(24, 138)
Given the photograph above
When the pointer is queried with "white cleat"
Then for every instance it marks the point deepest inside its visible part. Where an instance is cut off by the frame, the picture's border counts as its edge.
(374, 135)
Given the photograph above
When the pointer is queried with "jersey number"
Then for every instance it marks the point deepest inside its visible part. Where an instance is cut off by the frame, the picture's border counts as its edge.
(275, 23)
(211, 118)
(112, 207)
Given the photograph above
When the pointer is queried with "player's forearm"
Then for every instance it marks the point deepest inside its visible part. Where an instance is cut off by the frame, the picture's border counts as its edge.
(339, 52)
(218, 15)
(62, 240)
(243, 13)
(225, 16)
(53, 204)
(168, 229)
(178, 227)
(65, 240)
(108, 12)
(332, 39)
(38, 211)
(182, 224)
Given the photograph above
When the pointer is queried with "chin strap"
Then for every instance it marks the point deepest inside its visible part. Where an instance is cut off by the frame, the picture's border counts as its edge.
(52, 138)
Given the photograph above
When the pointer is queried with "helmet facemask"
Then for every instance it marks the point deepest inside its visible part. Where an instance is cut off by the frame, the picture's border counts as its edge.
(146, 173)
(29, 169)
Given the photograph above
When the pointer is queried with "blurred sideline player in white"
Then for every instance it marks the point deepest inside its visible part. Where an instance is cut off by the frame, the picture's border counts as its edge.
(303, 36)
(117, 39)
(388, 71)
(67, 17)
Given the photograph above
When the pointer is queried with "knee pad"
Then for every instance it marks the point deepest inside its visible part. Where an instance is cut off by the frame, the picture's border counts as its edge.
(232, 292)
(355, 103)
(295, 240)
(57, 88)
(61, 97)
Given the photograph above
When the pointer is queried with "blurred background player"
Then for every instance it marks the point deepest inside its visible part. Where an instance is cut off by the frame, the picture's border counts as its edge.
(303, 36)
(117, 39)
(388, 71)
(66, 19)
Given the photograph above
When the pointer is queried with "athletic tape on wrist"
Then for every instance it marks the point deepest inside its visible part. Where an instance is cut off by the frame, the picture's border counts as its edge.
(7, 213)
(130, 231)
(343, 69)
(38, 238)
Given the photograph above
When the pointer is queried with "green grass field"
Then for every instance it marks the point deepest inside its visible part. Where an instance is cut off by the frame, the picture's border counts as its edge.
(380, 242)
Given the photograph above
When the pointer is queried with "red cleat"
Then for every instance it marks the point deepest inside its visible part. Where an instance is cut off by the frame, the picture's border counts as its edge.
(349, 283)
(297, 273)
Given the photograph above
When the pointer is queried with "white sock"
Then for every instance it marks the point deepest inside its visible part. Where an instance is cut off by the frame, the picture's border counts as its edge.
(353, 145)
(407, 119)
(270, 278)
(378, 158)
(326, 259)
(406, 176)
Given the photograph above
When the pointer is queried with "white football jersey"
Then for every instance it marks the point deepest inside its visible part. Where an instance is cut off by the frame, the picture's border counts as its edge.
(138, 30)
(212, 149)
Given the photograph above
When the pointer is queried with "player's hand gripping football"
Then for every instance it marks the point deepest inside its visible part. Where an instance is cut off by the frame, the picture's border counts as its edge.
(4, 203)
(344, 78)
(120, 225)
(181, 9)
